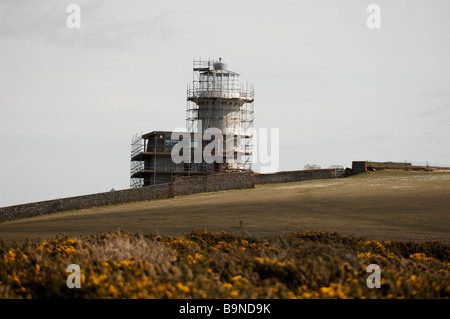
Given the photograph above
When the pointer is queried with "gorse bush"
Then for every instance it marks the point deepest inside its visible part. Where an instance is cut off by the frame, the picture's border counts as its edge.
(206, 264)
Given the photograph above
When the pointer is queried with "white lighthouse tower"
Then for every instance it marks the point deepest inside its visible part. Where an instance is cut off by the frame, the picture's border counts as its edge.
(216, 98)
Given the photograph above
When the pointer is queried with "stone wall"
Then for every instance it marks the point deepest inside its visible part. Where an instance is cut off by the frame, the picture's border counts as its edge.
(86, 201)
(359, 167)
(180, 186)
(187, 185)
(212, 183)
(220, 182)
(375, 166)
(294, 176)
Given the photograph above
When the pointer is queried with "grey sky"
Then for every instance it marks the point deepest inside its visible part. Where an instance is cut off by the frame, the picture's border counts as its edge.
(71, 99)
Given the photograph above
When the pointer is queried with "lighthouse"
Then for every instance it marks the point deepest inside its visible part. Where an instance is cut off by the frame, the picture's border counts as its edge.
(216, 99)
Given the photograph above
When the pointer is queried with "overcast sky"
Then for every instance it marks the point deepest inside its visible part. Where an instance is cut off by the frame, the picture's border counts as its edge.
(71, 99)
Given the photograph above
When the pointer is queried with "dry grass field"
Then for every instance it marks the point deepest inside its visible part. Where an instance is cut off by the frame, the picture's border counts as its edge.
(386, 205)
(311, 239)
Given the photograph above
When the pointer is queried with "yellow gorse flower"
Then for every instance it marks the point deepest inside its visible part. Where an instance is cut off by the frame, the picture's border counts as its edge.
(420, 256)
(223, 265)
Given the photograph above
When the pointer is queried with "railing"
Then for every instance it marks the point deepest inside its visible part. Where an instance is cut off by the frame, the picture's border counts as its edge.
(196, 93)
(159, 148)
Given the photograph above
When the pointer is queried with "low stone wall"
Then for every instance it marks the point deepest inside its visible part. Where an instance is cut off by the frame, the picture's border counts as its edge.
(212, 183)
(294, 176)
(375, 166)
(220, 182)
(86, 201)
(188, 185)
(388, 165)
(364, 166)
(180, 186)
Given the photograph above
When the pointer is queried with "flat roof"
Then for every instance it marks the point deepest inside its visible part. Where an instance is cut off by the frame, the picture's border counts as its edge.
(154, 133)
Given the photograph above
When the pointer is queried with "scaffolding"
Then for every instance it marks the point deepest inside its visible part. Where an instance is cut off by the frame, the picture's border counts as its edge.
(217, 99)
(137, 146)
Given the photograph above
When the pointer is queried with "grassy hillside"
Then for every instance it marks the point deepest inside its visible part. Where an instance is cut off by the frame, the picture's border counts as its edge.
(387, 205)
